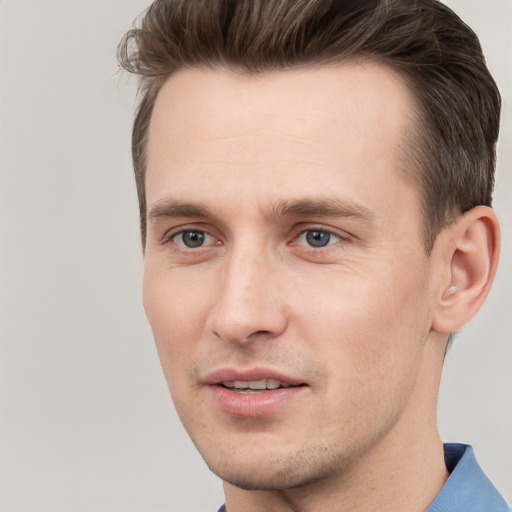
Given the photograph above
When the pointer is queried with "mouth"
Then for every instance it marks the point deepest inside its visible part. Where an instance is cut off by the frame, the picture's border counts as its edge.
(256, 386)
(253, 393)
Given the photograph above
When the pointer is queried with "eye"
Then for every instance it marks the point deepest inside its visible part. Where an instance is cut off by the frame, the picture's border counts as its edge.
(192, 239)
(317, 238)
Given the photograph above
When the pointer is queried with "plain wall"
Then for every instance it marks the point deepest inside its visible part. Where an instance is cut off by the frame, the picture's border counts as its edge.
(86, 423)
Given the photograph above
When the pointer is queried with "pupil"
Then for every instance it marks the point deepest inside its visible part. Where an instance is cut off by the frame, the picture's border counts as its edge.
(318, 238)
(193, 238)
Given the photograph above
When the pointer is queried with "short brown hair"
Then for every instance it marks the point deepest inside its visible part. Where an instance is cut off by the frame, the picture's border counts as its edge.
(451, 155)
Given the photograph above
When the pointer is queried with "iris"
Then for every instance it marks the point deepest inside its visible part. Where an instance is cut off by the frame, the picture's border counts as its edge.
(317, 238)
(193, 239)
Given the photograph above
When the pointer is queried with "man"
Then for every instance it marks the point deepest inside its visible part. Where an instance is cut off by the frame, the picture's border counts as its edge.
(315, 180)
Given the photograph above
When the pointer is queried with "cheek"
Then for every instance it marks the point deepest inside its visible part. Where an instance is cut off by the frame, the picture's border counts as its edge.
(369, 332)
(177, 309)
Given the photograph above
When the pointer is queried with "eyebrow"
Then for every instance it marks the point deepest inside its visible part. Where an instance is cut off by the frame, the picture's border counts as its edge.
(172, 208)
(318, 207)
(321, 207)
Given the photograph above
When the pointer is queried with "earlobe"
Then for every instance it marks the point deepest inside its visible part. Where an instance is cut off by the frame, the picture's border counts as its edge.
(470, 258)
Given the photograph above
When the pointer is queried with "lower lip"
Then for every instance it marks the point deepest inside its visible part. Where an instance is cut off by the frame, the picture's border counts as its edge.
(253, 405)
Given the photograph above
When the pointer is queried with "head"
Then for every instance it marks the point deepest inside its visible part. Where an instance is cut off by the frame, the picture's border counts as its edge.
(311, 178)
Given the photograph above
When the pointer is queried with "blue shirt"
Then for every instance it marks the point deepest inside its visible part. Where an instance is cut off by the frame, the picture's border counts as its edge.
(467, 488)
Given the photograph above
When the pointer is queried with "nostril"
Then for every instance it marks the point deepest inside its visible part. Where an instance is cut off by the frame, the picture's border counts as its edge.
(253, 336)
(258, 335)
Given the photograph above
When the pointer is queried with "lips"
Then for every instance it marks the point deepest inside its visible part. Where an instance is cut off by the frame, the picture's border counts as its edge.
(255, 385)
(228, 375)
(252, 393)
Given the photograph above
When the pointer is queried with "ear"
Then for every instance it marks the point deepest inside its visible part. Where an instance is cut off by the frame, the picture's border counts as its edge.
(469, 255)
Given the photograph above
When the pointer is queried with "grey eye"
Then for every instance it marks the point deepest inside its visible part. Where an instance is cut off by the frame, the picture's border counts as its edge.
(190, 239)
(317, 238)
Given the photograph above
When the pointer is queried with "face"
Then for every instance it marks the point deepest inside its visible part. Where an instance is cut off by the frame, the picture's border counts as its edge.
(285, 278)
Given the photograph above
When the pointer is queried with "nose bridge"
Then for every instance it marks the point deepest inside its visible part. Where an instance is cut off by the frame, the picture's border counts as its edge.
(248, 302)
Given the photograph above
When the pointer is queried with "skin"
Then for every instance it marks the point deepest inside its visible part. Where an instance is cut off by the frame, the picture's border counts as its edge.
(362, 322)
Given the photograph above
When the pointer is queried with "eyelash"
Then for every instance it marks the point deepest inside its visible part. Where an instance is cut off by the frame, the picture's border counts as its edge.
(171, 237)
(183, 246)
(329, 232)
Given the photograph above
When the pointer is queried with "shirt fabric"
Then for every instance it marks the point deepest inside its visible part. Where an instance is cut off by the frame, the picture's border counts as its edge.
(467, 488)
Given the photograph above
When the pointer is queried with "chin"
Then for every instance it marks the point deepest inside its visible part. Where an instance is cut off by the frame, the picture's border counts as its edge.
(278, 473)
(264, 478)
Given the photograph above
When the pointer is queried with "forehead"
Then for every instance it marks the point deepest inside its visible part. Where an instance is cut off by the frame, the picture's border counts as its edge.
(277, 132)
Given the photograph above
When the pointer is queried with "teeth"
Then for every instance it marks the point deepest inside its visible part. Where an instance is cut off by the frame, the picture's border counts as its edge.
(272, 384)
(256, 384)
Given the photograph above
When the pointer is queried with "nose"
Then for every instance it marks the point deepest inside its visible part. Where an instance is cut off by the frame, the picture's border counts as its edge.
(250, 303)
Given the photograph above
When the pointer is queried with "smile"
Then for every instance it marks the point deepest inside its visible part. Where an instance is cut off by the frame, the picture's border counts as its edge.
(253, 393)
(254, 385)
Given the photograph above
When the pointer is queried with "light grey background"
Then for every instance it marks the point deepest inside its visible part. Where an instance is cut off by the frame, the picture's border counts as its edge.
(86, 423)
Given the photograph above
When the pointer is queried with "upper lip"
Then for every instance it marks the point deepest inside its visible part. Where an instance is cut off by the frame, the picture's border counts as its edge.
(249, 374)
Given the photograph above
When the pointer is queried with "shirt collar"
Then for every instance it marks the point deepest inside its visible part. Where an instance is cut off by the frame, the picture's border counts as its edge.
(467, 488)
